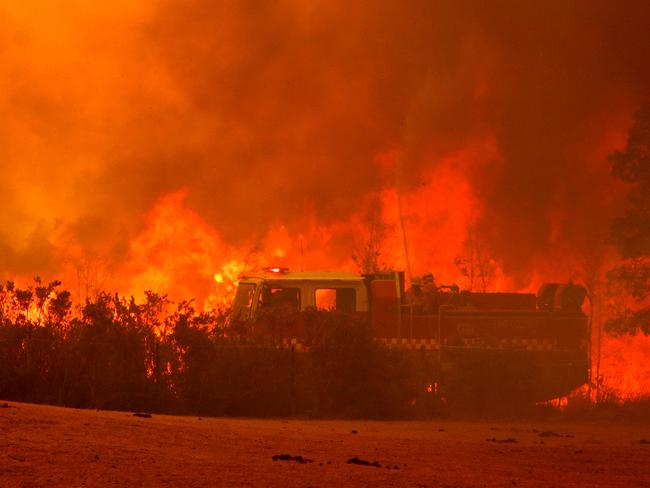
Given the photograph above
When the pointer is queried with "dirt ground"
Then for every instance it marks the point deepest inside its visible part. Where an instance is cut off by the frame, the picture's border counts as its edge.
(51, 447)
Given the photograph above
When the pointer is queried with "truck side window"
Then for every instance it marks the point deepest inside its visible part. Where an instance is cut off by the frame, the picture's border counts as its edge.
(346, 299)
(325, 299)
(278, 297)
(340, 299)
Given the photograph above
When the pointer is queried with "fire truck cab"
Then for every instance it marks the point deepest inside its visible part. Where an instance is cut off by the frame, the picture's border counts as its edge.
(299, 291)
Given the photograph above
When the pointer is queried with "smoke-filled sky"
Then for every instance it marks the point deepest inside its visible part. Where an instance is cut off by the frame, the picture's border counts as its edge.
(268, 114)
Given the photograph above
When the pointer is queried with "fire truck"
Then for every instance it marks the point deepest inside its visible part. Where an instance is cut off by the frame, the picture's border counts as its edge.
(535, 346)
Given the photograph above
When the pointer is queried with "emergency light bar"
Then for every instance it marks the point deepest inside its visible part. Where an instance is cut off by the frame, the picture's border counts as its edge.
(276, 270)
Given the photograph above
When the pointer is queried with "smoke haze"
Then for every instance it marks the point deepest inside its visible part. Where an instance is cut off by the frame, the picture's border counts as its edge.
(290, 118)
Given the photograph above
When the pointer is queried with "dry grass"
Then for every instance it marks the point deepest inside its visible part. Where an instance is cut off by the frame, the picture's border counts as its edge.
(57, 447)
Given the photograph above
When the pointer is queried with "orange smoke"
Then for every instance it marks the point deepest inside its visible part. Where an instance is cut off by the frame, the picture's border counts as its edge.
(277, 117)
(170, 145)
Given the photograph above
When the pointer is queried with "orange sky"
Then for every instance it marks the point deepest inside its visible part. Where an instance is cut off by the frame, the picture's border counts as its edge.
(256, 126)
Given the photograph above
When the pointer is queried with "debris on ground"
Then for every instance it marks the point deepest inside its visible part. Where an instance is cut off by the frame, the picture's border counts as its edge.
(644, 441)
(289, 457)
(143, 415)
(354, 432)
(550, 433)
(507, 440)
(363, 462)
(4, 405)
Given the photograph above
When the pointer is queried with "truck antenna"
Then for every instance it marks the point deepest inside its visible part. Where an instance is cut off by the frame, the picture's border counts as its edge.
(398, 188)
(301, 255)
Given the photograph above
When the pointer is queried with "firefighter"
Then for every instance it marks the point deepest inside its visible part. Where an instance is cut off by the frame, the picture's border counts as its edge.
(415, 296)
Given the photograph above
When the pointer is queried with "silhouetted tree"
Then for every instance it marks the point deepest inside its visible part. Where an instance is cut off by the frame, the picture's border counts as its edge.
(475, 264)
(33, 322)
(370, 256)
(629, 282)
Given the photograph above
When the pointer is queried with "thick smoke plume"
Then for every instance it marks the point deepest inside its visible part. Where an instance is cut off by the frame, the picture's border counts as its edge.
(293, 117)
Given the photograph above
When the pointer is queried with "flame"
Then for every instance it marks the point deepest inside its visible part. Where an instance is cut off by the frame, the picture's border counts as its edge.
(225, 285)
(175, 151)
(625, 365)
(438, 213)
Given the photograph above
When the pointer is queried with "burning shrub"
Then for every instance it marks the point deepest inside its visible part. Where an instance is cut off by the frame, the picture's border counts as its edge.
(629, 283)
(337, 370)
(108, 356)
(120, 354)
(353, 375)
(32, 326)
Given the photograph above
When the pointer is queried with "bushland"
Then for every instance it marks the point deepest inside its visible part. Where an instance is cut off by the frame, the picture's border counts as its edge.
(113, 353)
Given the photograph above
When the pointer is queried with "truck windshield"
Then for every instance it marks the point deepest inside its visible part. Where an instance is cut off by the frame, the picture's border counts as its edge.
(241, 305)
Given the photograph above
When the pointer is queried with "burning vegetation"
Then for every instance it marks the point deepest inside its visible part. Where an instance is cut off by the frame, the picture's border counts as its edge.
(119, 354)
(174, 146)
